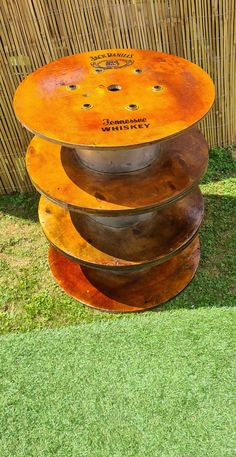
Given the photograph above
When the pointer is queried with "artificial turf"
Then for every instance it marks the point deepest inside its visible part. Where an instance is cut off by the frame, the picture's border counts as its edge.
(159, 384)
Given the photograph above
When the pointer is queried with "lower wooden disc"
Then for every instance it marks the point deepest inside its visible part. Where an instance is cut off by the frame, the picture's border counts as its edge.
(129, 291)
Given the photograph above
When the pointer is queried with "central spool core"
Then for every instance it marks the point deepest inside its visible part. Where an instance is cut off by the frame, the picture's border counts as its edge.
(108, 160)
(123, 221)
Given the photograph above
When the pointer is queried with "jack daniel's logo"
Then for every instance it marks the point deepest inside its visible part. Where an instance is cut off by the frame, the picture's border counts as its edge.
(111, 60)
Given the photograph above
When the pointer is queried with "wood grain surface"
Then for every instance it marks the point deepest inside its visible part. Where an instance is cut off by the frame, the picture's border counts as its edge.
(57, 174)
(126, 292)
(94, 244)
(71, 101)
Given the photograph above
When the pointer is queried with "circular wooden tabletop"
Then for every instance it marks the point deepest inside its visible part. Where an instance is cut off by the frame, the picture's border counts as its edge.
(127, 292)
(179, 167)
(113, 98)
(145, 243)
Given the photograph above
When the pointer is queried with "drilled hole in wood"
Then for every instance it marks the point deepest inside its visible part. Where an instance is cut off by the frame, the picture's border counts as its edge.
(72, 87)
(156, 88)
(114, 87)
(132, 106)
(87, 106)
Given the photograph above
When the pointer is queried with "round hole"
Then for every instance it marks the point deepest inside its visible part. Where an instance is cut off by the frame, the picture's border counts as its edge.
(114, 87)
(72, 87)
(132, 106)
(98, 70)
(87, 106)
(138, 70)
(156, 88)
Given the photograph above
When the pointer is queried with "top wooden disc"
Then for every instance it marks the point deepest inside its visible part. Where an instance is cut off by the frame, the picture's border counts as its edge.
(113, 98)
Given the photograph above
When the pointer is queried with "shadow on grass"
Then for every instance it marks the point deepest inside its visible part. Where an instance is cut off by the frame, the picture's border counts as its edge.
(221, 165)
(22, 206)
(214, 284)
(30, 300)
(215, 281)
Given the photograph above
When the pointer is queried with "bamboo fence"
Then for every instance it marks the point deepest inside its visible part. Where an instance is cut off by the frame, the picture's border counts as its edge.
(35, 32)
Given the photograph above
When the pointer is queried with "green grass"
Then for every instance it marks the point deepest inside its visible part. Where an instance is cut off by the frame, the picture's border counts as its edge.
(159, 384)
(30, 298)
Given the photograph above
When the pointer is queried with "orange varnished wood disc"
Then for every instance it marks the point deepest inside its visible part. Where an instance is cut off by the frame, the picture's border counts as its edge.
(146, 242)
(113, 98)
(127, 292)
(56, 172)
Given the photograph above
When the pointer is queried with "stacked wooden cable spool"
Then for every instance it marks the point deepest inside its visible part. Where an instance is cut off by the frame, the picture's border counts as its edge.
(118, 161)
